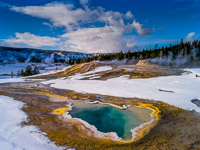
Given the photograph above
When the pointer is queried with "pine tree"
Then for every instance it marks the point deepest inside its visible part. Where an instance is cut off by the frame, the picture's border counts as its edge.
(121, 55)
(129, 55)
(35, 70)
(22, 72)
(28, 71)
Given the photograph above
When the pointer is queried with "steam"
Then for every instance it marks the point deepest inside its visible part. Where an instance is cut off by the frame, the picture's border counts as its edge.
(181, 61)
(50, 59)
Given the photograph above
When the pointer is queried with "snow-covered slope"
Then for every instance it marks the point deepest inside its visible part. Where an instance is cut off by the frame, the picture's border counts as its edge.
(19, 55)
(13, 60)
(6, 69)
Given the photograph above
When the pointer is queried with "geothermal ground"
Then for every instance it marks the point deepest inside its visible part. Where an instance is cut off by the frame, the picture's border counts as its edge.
(163, 101)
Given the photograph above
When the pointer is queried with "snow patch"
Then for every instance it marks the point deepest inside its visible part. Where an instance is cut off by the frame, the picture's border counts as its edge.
(11, 80)
(15, 136)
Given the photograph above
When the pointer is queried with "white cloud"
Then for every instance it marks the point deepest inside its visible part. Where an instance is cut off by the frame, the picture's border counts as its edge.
(109, 37)
(67, 15)
(84, 2)
(58, 13)
(61, 14)
(190, 37)
(32, 40)
(139, 29)
(129, 15)
(106, 39)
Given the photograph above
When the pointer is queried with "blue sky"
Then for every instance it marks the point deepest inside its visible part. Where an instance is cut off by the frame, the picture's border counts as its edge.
(97, 25)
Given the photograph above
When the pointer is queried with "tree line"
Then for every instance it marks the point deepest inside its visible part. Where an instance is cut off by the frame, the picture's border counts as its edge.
(28, 71)
(173, 51)
(182, 49)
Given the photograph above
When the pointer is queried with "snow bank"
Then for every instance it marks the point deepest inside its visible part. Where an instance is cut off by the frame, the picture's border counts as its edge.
(14, 136)
(185, 88)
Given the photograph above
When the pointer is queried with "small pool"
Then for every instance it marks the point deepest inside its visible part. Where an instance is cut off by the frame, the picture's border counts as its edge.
(106, 118)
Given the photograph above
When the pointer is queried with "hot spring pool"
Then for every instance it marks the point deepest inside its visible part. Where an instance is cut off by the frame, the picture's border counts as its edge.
(106, 118)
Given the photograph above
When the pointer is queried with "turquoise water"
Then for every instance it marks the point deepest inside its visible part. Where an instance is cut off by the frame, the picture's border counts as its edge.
(107, 118)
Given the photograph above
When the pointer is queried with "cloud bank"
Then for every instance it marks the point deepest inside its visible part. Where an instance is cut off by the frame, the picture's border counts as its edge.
(87, 29)
(32, 40)
(106, 39)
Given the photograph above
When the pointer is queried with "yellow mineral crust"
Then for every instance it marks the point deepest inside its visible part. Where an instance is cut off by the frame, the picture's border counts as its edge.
(60, 110)
(156, 112)
(73, 69)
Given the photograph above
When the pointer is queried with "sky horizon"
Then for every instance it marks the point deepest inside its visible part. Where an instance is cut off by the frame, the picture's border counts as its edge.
(97, 26)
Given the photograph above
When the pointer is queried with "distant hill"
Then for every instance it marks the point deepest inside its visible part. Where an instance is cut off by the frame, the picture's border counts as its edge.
(20, 55)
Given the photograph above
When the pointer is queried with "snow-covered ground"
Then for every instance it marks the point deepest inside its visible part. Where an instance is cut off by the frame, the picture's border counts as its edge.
(99, 69)
(91, 74)
(15, 136)
(12, 80)
(15, 80)
(51, 72)
(185, 88)
(43, 68)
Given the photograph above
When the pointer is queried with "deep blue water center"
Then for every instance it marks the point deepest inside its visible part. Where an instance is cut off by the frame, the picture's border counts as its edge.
(107, 119)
